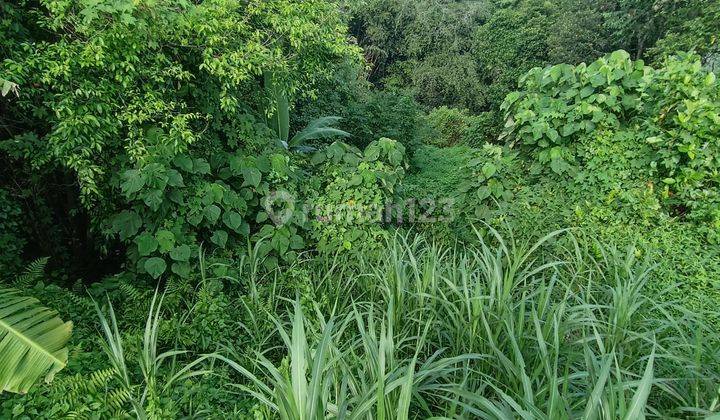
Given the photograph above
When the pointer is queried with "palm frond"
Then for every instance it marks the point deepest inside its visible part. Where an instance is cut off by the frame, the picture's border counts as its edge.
(321, 128)
(33, 341)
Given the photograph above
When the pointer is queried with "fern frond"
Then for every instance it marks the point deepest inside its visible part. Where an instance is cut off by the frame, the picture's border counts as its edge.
(33, 272)
(82, 383)
(131, 292)
(118, 398)
(82, 413)
(81, 301)
(88, 395)
(175, 285)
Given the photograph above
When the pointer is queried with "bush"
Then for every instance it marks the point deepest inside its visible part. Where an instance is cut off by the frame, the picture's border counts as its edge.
(559, 104)
(451, 188)
(354, 191)
(482, 128)
(685, 129)
(669, 115)
(158, 115)
(436, 172)
(490, 177)
(448, 126)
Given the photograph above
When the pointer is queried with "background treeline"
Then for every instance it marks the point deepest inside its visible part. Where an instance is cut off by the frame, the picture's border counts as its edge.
(468, 55)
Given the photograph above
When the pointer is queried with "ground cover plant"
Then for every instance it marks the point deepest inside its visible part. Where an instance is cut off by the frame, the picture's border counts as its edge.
(359, 209)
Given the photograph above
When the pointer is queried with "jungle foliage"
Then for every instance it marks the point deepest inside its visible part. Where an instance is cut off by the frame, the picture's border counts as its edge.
(359, 209)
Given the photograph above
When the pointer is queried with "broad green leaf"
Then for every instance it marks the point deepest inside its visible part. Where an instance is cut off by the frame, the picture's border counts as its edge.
(166, 240)
(201, 166)
(395, 157)
(153, 199)
(321, 128)
(133, 182)
(33, 342)
(251, 176)
(155, 267)
(175, 179)
(184, 162)
(232, 219)
(489, 169)
(297, 242)
(147, 244)
(182, 269)
(263, 163)
(194, 218)
(236, 163)
(355, 180)
(181, 253)
(281, 243)
(483, 193)
(6, 87)
(219, 238)
(212, 213)
(127, 223)
(214, 193)
(586, 91)
(372, 153)
(318, 158)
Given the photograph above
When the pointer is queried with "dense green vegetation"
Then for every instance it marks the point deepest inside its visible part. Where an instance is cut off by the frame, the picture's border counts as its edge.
(359, 209)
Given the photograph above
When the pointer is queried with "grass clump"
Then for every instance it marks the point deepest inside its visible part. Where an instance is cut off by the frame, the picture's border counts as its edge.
(500, 329)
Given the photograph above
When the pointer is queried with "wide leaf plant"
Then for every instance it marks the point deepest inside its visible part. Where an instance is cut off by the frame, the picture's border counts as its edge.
(33, 341)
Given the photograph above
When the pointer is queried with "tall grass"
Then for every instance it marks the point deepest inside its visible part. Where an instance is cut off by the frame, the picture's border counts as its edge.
(501, 329)
(157, 381)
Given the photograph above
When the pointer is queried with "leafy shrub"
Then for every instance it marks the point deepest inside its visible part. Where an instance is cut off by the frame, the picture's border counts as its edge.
(685, 131)
(448, 126)
(154, 115)
(453, 187)
(616, 176)
(669, 115)
(179, 204)
(355, 189)
(429, 191)
(482, 128)
(489, 179)
(559, 104)
(453, 127)
(212, 323)
(436, 172)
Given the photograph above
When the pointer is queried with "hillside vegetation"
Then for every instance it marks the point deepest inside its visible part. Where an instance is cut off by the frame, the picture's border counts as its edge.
(359, 209)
